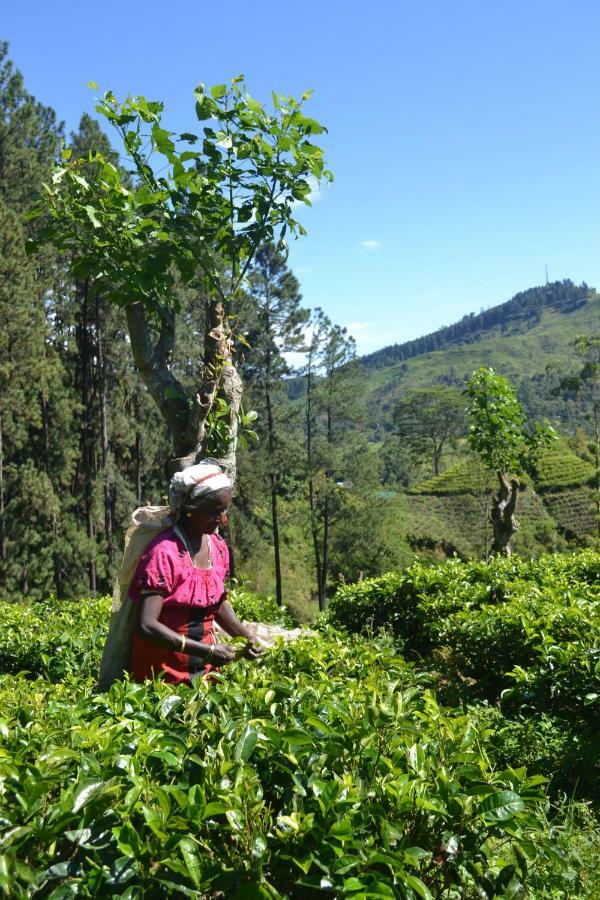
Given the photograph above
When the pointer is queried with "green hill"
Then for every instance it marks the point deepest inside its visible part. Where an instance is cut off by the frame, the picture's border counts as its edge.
(520, 349)
(520, 314)
(450, 512)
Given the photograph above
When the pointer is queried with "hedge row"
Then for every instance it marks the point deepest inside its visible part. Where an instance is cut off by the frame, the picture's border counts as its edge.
(528, 631)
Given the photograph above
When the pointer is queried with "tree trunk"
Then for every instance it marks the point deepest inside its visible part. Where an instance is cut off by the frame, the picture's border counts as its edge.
(273, 477)
(185, 417)
(504, 522)
(138, 455)
(437, 455)
(87, 436)
(104, 446)
(276, 542)
(596, 413)
(56, 558)
(312, 504)
(325, 557)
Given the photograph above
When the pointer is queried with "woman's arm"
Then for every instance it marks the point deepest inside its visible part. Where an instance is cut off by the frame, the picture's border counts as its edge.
(230, 623)
(152, 630)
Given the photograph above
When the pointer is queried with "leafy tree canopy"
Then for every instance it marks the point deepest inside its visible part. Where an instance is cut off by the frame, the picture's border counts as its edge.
(188, 202)
(498, 432)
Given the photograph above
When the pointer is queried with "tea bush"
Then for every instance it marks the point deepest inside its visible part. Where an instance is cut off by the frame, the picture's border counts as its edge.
(327, 768)
(531, 629)
(55, 638)
(524, 635)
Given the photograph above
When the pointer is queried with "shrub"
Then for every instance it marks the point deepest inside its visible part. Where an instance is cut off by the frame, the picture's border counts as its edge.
(327, 768)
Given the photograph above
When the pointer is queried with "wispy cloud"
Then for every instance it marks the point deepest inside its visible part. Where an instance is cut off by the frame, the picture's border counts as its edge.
(369, 246)
(357, 329)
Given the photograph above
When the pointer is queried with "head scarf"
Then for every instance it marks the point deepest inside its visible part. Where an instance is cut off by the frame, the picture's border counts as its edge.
(195, 481)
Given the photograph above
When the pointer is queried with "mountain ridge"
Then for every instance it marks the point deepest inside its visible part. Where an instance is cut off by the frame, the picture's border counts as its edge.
(521, 313)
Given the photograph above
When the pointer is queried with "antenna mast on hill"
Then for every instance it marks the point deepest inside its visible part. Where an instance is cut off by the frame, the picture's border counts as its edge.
(546, 274)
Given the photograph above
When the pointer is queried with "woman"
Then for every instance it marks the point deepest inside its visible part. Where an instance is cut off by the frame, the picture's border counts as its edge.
(179, 585)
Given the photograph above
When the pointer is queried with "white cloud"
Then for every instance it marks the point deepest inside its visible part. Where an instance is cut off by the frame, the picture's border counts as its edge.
(369, 246)
(357, 329)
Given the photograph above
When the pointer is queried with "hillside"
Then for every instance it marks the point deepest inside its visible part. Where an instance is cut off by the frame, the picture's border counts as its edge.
(450, 513)
(520, 349)
(519, 314)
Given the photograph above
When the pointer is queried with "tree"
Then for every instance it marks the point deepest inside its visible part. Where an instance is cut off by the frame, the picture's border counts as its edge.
(332, 412)
(197, 215)
(429, 418)
(277, 328)
(499, 436)
(36, 407)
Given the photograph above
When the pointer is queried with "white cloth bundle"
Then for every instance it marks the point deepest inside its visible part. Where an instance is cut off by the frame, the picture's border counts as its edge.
(194, 481)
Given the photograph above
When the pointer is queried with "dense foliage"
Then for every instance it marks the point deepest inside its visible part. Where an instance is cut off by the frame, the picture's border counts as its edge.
(327, 768)
(522, 634)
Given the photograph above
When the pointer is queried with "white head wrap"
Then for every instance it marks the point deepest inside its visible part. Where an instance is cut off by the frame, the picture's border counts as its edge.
(194, 481)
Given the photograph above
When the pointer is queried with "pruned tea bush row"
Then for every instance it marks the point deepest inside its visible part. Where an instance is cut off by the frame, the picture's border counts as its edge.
(56, 638)
(326, 769)
(524, 635)
(531, 629)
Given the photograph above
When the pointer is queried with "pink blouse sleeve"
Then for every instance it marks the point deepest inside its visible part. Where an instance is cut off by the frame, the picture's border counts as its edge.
(156, 571)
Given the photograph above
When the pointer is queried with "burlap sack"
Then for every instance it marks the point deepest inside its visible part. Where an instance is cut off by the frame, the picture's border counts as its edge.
(146, 521)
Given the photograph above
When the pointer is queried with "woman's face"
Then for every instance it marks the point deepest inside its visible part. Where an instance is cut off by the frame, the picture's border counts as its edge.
(212, 514)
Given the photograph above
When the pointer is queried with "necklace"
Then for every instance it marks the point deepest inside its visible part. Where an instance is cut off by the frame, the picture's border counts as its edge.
(190, 551)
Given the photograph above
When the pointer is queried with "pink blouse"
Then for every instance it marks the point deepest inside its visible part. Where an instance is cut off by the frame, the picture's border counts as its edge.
(166, 568)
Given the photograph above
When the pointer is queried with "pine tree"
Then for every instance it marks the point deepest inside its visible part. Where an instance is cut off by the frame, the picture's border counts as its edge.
(276, 322)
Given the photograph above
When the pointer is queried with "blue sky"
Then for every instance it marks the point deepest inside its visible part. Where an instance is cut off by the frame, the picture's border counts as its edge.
(464, 136)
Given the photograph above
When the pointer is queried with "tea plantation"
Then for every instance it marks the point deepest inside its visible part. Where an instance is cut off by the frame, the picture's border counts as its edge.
(557, 507)
(435, 736)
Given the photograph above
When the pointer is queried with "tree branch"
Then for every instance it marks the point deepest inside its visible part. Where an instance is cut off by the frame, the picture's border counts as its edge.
(153, 363)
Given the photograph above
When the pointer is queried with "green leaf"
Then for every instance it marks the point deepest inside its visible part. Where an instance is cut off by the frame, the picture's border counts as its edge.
(169, 703)
(85, 792)
(91, 214)
(245, 745)
(189, 851)
(128, 840)
(501, 806)
(296, 736)
(215, 808)
(236, 819)
(420, 889)
(218, 91)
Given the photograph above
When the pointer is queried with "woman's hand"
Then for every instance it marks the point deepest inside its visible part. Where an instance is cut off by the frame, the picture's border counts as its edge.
(252, 650)
(221, 655)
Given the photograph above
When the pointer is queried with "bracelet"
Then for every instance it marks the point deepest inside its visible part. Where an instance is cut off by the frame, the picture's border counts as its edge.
(210, 652)
(182, 643)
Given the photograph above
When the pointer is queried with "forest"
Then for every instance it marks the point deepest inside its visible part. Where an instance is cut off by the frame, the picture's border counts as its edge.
(430, 511)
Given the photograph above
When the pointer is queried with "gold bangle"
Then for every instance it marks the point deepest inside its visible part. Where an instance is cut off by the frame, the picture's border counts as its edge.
(211, 648)
(182, 643)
